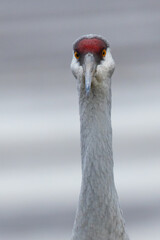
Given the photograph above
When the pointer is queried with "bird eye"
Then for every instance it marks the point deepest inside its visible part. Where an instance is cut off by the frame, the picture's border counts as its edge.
(76, 54)
(103, 52)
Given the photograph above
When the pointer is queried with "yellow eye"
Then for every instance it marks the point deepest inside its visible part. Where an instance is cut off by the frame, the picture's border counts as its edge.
(103, 52)
(76, 54)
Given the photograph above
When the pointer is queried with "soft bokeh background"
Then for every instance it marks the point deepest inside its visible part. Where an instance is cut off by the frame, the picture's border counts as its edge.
(39, 122)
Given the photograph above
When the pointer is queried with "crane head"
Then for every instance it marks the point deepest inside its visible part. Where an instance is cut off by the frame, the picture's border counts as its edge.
(92, 62)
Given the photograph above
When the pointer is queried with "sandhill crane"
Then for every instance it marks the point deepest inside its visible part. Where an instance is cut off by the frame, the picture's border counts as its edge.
(98, 216)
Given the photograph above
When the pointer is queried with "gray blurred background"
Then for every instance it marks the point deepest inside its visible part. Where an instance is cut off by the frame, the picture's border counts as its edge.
(40, 170)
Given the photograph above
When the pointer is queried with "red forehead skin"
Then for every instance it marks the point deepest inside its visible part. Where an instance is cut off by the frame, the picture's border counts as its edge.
(93, 45)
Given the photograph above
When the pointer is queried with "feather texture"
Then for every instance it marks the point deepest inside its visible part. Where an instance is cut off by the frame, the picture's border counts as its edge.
(98, 216)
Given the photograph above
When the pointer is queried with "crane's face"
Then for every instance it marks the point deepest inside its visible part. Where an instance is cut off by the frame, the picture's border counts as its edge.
(92, 61)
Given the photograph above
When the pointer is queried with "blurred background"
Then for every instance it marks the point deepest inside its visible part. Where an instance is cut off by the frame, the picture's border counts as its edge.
(40, 170)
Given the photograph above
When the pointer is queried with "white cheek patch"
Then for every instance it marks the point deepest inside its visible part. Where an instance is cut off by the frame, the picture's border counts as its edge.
(77, 70)
(106, 67)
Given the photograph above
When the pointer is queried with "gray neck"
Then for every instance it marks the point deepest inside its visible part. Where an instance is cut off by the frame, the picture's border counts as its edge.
(98, 216)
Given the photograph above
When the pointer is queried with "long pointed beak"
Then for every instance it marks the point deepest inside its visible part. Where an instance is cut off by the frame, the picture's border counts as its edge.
(89, 67)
